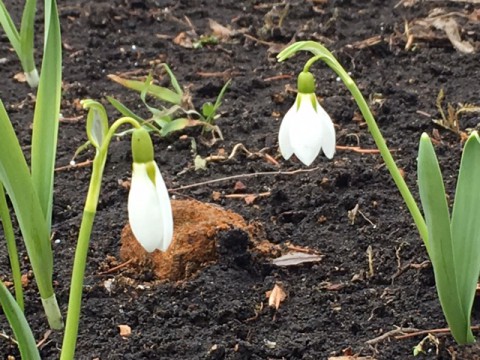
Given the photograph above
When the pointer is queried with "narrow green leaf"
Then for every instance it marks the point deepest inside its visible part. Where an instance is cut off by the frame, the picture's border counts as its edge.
(21, 329)
(465, 230)
(125, 111)
(27, 33)
(439, 244)
(46, 116)
(10, 29)
(9, 235)
(173, 80)
(174, 125)
(159, 92)
(15, 176)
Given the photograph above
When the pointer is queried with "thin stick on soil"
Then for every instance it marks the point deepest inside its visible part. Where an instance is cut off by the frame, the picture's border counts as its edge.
(74, 166)
(359, 150)
(390, 334)
(442, 331)
(115, 268)
(242, 176)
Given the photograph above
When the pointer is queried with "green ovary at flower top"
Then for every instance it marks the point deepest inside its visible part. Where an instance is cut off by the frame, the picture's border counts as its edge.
(306, 128)
(149, 208)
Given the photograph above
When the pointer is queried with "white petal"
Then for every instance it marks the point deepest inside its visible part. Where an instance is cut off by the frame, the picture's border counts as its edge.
(328, 133)
(149, 210)
(307, 132)
(284, 133)
(165, 209)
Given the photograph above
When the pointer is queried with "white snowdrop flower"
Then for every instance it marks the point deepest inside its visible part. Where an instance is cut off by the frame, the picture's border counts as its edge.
(306, 128)
(149, 207)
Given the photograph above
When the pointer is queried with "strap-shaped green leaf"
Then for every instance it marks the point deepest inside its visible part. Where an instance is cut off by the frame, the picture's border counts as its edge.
(9, 27)
(27, 34)
(46, 116)
(439, 244)
(465, 227)
(16, 319)
(159, 92)
(15, 176)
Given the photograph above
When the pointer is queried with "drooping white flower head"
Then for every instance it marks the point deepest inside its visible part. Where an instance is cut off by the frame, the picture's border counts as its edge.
(306, 128)
(149, 207)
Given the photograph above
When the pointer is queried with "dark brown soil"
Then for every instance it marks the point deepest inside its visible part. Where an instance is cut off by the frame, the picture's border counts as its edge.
(333, 307)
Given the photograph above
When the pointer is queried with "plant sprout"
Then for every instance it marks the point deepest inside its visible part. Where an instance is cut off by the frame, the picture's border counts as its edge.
(30, 189)
(21, 329)
(177, 113)
(145, 173)
(22, 41)
(452, 242)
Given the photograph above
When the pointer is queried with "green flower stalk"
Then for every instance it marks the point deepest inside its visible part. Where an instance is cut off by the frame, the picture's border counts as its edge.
(321, 53)
(145, 173)
(22, 41)
(452, 242)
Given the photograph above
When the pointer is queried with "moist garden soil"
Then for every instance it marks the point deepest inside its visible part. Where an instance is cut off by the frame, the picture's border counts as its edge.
(344, 209)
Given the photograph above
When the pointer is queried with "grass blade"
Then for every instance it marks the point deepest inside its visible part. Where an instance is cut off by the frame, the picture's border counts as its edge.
(15, 176)
(27, 33)
(16, 319)
(439, 243)
(10, 30)
(125, 111)
(159, 92)
(46, 116)
(11, 247)
(465, 232)
(173, 80)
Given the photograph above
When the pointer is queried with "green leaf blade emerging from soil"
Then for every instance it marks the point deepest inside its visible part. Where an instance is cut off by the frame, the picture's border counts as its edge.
(465, 232)
(439, 244)
(21, 329)
(159, 92)
(15, 176)
(46, 116)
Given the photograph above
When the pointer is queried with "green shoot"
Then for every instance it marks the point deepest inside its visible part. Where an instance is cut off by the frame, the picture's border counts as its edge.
(30, 192)
(177, 114)
(11, 247)
(99, 135)
(22, 42)
(452, 243)
(16, 319)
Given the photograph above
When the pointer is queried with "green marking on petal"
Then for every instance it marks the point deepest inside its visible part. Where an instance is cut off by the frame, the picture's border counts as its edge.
(150, 167)
(297, 101)
(313, 100)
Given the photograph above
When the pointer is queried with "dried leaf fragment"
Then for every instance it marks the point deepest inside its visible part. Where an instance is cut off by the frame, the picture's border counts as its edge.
(20, 77)
(296, 258)
(276, 296)
(451, 29)
(125, 330)
(220, 31)
(25, 280)
(250, 198)
(216, 195)
(186, 39)
(239, 187)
